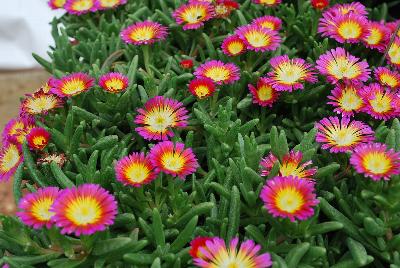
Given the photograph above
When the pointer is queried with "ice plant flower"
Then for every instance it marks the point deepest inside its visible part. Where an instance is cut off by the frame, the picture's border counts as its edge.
(263, 94)
(144, 33)
(173, 159)
(71, 85)
(193, 15)
(17, 129)
(387, 78)
(79, 7)
(269, 3)
(381, 103)
(289, 197)
(376, 161)
(10, 158)
(40, 103)
(38, 138)
(337, 64)
(258, 38)
(292, 165)
(218, 71)
(233, 46)
(84, 210)
(46, 158)
(223, 8)
(186, 64)
(135, 170)
(393, 54)
(289, 74)
(268, 22)
(35, 207)
(319, 4)
(342, 135)
(196, 244)
(346, 99)
(350, 28)
(215, 253)
(202, 87)
(378, 36)
(56, 4)
(113, 82)
(351, 8)
(106, 4)
(158, 116)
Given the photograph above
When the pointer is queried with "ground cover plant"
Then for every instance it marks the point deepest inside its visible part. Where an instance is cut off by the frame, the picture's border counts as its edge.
(210, 134)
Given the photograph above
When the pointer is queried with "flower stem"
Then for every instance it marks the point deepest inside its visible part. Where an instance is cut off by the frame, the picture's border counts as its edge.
(146, 58)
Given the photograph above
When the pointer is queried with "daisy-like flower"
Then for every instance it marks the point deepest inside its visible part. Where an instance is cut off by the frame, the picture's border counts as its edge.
(268, 22)
(342, 135)
(289, 197)
(173, 159)
(258, 38)
(374, 160)
(337, 64)
(113, 82)
(38, 138)
(215, 253)
(289, 74)
(56, 4)
(219, 72)
(346, 99)
(269, 3)
(393, 54)
(378, 36)
(46, 158)
(202, 87)
(135, 170)
(79, 7)
(381, 104)
(106, 4)
(84, 210)
(186, 64)
(10, 158)
(350, 28)
(387, 78)
(144, 33)
(193, 15)
(158, 116)
(292, 165)
(196, 244)
(233, 46)
(35, 207)
(319, 4)
(223, 8)
(352, 8)
(16, 130)
(264, 94)
(40, 102)
(71, 85)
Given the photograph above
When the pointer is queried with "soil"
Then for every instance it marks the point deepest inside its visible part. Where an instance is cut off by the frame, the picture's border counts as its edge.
(13, 86)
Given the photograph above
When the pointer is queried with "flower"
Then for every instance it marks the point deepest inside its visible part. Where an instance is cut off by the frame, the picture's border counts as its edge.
(186, 64)
(233, 46)
(35, 207)
(258, 38)
(319, 4)
(380, 103)
(71, 85)
(264, 94)
(288, 74)
(374, 160)
(388, 78)
(16, 130)
(135, 170)
(291, 165)
(106, 4)
(193, 15)
(113, 82)
(352, 8)
(393, 54)
(268, 22)
(216, 254)
(342, 135)
(173, 159)
(46, 158)
(10, 158)
(79, 7)
(350, 28)
(56, 4)
(38, 138)
(40, 103)
(219, 72)
(269, 3)
(346, 99)
(289, 197)
(392, 26)
(223, 8)
(378, 36)
(158, 116)
(337, 64)
(84, 210)
(202, 87)
(144, 33)
(196, 244)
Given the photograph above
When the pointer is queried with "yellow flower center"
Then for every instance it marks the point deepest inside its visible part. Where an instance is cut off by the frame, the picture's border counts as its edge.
(16, 128)
(142, 34)
(221, 10)
(389, 80)
(377, 162)
(202, 91)
(268, 25)
(257, 39)
(109, 3)
(289, 74)
(350, 101)
(83, 210)
(158, 120)
(235, 47)
(82, 5)
(341, 68)
(39, 141)
(59, 3)
(374, 37)
(194, 14)
(137, 172)
(381, 103)
(114, 85)
(40, 209)
(172, 161)
(73, 87)
(349, 30)
(289, 200)
(394, 53)
(268, 2)
(41, 104)
(217, 73)
(264, 93)
(11, 157)
(344, 136)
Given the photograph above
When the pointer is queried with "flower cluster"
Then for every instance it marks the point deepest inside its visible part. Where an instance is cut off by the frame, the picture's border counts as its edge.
(80, 7)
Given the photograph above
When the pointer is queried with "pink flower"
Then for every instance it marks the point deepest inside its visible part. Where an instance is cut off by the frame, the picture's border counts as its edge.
(144, 33)
(346, 99)
(268, 22)
(113, 82)
(233, 46)
(258, 38)
(194, 14)
(219, 72)
(264, 94)
(80, 7)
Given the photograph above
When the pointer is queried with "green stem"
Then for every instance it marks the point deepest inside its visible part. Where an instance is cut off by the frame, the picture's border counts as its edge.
(213, 104)
(146, 58)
